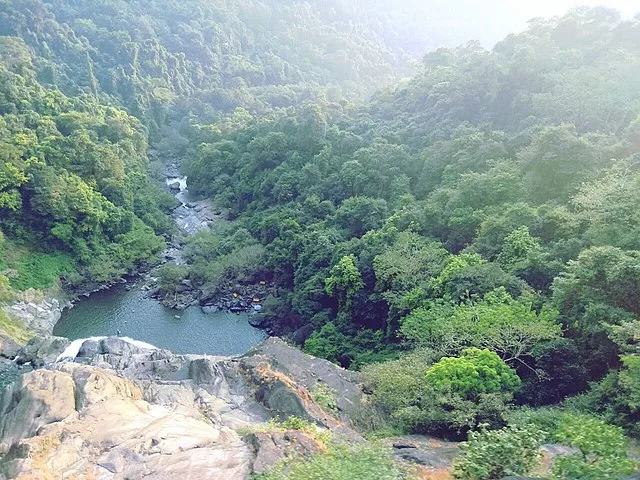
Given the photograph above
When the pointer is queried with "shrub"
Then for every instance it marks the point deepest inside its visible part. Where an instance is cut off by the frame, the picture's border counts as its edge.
(41, 270)
(473, 373)
(602, 450)
(400, 389)
(325, 396)
(339, 463)
(495, 454)
(545, 418)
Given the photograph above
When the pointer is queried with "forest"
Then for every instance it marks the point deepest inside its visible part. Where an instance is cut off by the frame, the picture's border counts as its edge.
(462, 227)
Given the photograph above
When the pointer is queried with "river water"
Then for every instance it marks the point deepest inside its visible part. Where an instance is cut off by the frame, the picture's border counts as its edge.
(130, 313)
(118, 312)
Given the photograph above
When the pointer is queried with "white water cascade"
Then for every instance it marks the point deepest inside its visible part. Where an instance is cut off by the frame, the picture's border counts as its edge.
(73, 349)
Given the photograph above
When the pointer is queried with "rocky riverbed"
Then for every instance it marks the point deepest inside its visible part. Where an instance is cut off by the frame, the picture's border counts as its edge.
(191, 216)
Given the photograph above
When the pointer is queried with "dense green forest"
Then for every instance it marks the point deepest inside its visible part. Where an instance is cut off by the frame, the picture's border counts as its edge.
(468, 236)
(486, 206)
(87, 86)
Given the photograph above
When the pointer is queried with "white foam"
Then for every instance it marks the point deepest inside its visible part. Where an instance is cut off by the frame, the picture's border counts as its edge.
(181, 180)
(139, 344)
(73, 349)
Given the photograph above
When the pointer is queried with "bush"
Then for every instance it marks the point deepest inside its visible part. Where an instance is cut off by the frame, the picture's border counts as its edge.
(615, 398)
(339, 463)
(401, 390)
(171, 277)
(41, 270)
(473, 373)
(495, 454)
(546, 419)
(602, 450)
(325, 396)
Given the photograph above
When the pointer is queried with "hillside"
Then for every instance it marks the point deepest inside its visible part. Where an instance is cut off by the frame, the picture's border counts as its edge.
(462, 230)
(71, 70)
(488, 202)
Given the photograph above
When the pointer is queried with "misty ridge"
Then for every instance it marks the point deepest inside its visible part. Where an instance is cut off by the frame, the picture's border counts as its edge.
(441, 196)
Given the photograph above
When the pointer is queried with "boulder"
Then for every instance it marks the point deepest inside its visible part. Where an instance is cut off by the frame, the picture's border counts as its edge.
(302, 334)
(209, 308)
(88, 349)
(175, 185)
(131, 412)
(43, 350)
(258, 321)
(273, 447)
(38, 398)
(274, 361)
(113, 434)
(120, 347)
(427, 452)
(8, 348)
(36, 312)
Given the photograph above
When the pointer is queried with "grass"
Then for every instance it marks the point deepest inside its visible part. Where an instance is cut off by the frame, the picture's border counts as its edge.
(326, 397)
(341, 462)
(291, 423)
(40, 270)
(14, 329)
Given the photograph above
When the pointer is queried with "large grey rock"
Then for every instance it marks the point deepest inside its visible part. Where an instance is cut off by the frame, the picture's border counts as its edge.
(43, 350)
(145, 364)
(8, 348)
(305, 371)
(38, 398)
(273, 447)
(115, 434)
(37, 312)
(88, 349)
(127, 412)
(117, 346)
(426, 451)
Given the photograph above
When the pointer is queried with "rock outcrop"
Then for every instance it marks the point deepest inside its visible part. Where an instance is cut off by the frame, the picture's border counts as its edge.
(120, 411)
(37, 311)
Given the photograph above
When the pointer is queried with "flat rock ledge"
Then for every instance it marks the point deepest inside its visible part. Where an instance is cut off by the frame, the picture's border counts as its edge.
(118, 411)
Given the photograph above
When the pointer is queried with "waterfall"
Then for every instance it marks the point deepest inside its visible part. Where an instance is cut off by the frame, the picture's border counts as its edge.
(73, 349)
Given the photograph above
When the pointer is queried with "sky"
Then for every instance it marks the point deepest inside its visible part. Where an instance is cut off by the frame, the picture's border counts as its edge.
(556, 7)
(491, 20)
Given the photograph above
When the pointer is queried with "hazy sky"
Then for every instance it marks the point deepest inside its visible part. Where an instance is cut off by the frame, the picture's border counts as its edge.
(491, 20)
(555, 7)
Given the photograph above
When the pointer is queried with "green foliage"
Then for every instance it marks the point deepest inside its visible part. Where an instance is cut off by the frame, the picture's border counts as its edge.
(227, 254)
(498, 322)
(344, 280)
(488, 201)
(473, 373)
(593, 295)
(602, 450)
(615, 397)
(296, 423)
(14, 329)
(495, 454)
(518, 246)
(72, 174)
(171, 277)
(401, 390)
(41, 270)
(325, 396)
(5, 290)
(546, 419)
(339, 463)
(349, 350)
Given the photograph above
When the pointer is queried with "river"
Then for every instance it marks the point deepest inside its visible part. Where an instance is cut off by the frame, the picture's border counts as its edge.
(118, 312)
(128, 312)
